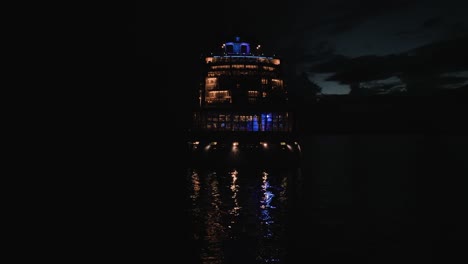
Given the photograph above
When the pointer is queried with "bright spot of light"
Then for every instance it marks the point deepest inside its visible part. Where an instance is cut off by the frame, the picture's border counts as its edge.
(235, 146)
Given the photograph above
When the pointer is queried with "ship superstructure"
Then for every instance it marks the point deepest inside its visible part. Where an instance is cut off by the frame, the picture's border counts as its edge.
(242, 100)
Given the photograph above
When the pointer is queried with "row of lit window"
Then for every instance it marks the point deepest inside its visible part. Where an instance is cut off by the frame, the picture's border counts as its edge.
(234, 66)
(228, 93)
(245, 127)
(218, 100)
(227, 100)
(236, 143)
(210, 80)
(241, 66)
(220, 67)
(219, 93)
(244, 118)
(247, 59)
(251, 115)
(226, 96)
(276, 82)
(253, 93)
(237, 72)
(210, 87)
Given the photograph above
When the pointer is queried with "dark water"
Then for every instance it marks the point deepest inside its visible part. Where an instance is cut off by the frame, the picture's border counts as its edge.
(241, 215)
(362, 198)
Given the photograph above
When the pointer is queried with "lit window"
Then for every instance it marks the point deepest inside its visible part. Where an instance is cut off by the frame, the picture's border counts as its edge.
(276, 61)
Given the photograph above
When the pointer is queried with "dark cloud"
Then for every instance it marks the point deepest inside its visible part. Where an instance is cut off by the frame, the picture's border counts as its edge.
(357, 28)
(364, 69)
(457, 29)
(421, 69)
(453, 29)
(452, 80)
(340, 16)
(433, 22)
(356, 13)
(323, 50)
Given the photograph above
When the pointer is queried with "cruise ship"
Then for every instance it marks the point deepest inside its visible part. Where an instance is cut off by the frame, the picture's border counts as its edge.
(242, 112)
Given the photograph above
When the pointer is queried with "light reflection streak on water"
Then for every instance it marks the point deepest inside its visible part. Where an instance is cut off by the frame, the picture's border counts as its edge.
(196, 187)
(214, 232)
(234, 189)
(284, 186)
(194, 197)
(270, 250)
(265, 204)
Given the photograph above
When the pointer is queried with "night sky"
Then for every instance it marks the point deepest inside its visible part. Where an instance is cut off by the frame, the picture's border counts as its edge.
(384, 41)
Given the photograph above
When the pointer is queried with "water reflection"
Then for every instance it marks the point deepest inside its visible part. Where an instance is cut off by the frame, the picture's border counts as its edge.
(214, 229)
(266, 206)
(234, 212)
(239, 216)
